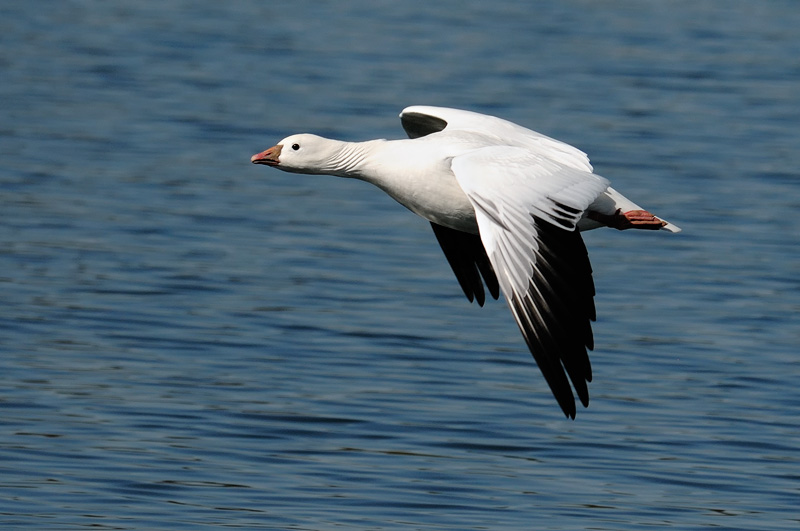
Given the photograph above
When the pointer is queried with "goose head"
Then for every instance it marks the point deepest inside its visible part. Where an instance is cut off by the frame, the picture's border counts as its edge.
(303, 153)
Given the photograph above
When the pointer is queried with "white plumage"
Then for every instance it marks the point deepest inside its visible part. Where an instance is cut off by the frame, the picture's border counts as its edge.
(506, 204)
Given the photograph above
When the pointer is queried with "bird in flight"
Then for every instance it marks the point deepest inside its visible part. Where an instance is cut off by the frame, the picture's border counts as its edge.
(507, 205)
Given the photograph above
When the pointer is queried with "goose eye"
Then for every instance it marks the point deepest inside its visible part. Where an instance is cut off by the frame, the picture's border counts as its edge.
(295, 146)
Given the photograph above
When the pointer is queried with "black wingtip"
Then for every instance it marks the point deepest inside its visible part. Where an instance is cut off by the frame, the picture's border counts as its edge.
(467, 258)
(567, 405)
(554, 315)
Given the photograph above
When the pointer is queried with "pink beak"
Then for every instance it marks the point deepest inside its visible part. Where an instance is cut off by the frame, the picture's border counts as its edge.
(269, 157)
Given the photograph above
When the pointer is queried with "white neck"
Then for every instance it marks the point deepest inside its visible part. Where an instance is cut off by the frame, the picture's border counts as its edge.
(412, 172)
(352, 159)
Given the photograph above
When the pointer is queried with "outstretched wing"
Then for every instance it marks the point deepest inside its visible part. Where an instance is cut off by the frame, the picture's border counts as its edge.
(422, 120)
(527, 208)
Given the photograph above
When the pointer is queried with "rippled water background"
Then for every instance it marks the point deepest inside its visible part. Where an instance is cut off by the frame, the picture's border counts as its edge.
(189, 341)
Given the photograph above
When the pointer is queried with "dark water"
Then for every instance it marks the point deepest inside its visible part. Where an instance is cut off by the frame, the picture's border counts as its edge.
(189, 341)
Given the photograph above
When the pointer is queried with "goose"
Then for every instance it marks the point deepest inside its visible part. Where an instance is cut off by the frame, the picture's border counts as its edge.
(507, 206)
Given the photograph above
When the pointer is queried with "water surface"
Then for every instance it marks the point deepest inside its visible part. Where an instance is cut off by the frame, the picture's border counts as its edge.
(188, 341)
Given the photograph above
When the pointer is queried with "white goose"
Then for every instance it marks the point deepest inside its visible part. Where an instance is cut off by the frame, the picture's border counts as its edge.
(506, 204)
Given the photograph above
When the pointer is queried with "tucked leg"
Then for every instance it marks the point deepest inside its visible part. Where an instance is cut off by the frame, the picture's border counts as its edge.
(633, 219)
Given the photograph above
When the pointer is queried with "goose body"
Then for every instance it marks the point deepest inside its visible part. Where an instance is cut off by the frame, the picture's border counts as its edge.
(507, 205)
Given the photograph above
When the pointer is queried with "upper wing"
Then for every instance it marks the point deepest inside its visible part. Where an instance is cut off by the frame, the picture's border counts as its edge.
(527, 208)
(422, 120)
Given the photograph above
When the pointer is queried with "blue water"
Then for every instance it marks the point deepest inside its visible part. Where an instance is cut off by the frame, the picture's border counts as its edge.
(189, 341)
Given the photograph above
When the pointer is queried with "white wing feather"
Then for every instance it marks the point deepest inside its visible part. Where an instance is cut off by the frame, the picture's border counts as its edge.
(509, 187)
(506, 133)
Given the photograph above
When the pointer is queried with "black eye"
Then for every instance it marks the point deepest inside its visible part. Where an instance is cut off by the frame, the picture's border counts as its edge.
(295, 146)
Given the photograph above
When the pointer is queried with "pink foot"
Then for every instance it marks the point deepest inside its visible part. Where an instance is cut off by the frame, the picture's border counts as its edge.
(633, 219)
